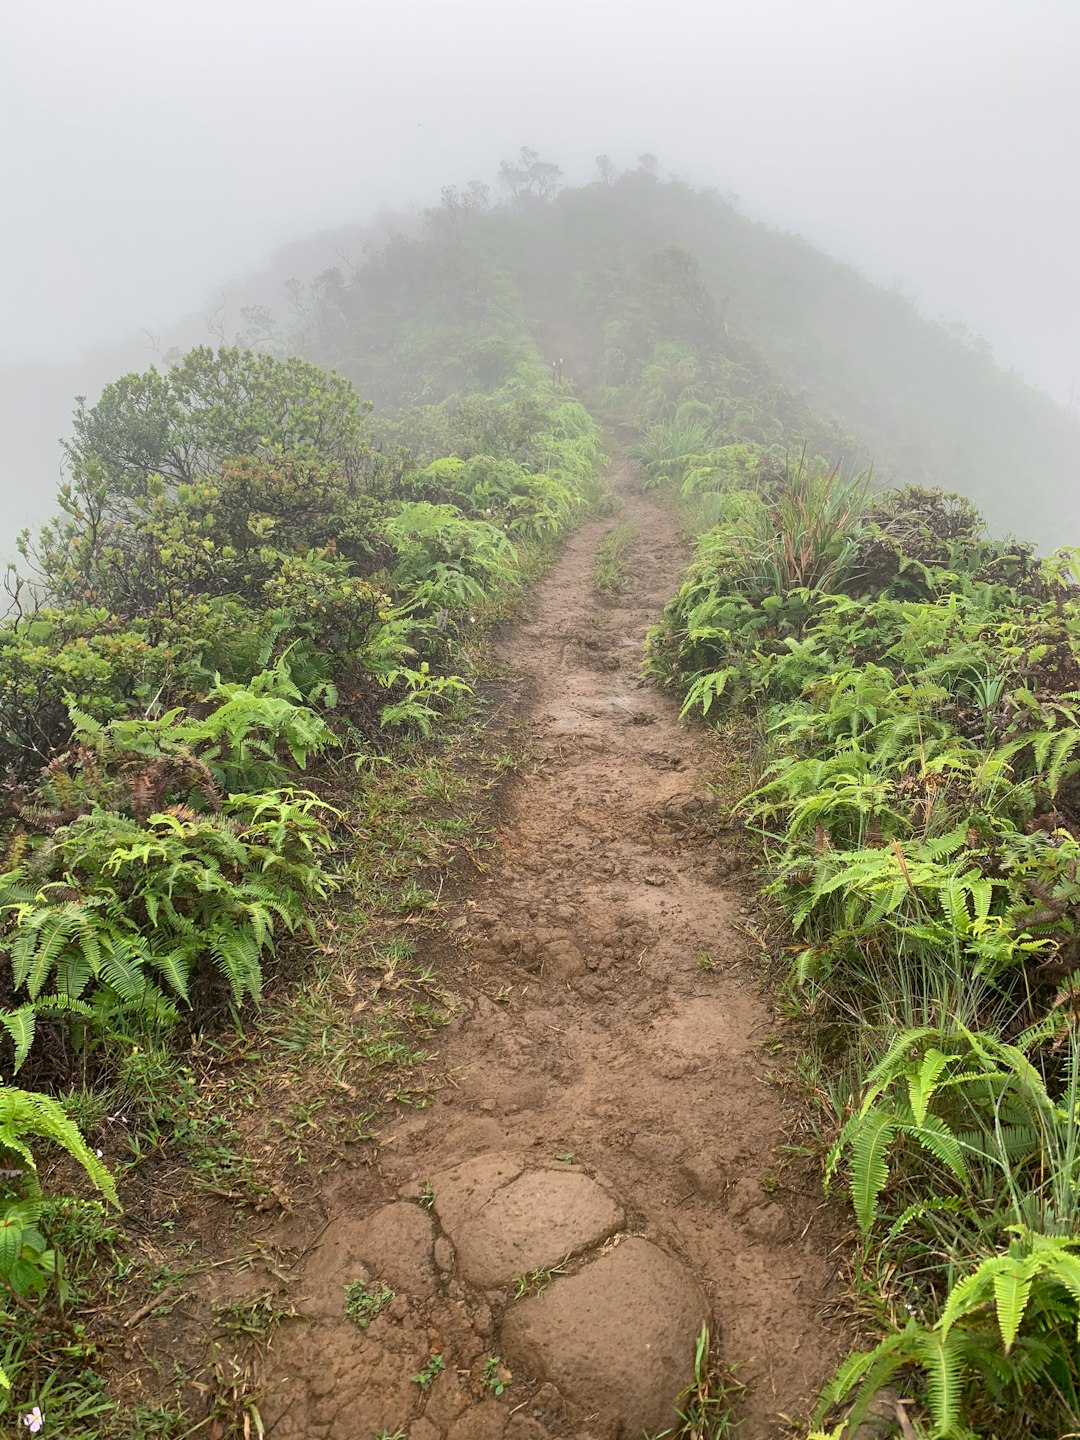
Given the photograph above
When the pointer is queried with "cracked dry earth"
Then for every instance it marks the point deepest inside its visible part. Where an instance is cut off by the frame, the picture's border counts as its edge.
(608, 1116)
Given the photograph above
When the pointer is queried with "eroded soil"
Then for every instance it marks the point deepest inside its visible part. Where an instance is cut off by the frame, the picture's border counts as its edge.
(607, 1113)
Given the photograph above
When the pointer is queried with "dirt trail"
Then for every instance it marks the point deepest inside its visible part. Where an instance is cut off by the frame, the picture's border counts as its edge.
(603, 1086)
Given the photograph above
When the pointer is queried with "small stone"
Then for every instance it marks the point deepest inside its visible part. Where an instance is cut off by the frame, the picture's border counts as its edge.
(746, 1194)
(548, 1404)
(395, 1244)
(881, 1417)
(486, 1421)
(562, 960)
(505, 1221)
(767, 1223)
(705, 1178)
(446, 1399)
(524, 1427)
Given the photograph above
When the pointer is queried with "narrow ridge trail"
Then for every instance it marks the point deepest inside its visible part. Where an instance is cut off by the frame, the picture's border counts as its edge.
(608, 1127)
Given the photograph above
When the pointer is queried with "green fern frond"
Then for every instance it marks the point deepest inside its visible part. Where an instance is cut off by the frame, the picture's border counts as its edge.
(24, 1113)
(1012, 1291)
(21, 1025)
(938, 1140)
(869, 1164)
(943, 1359)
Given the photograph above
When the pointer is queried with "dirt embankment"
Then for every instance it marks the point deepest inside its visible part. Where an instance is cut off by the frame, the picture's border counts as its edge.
(602, 1170)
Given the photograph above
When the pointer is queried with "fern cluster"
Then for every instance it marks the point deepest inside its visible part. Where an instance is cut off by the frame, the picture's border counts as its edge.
(918, 688)
(121, 914)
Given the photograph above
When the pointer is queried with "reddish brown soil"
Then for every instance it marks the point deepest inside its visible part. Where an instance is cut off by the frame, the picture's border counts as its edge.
(588, 1029)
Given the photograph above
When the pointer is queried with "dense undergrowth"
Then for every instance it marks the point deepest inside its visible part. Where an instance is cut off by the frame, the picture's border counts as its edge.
(226, 677)
(228, 662)
(916, 688)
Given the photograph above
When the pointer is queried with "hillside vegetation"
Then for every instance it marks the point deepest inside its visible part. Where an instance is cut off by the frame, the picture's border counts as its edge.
(241, 641)
(616, 273)
(222, 660)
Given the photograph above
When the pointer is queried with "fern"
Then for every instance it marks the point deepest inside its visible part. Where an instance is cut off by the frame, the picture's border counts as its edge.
(1008, 1281)
(23, 1114)
(942, 1357)
(939, 1354)
(21, 1024)
(869, 1138)
(1052, 752)
(154, 899)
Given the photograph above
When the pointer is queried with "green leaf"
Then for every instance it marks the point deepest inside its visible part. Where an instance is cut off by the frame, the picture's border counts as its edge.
(11, 1243)
(1012, 1290)
(921, 1085)
(942, 1358)
(973, 1290)
(20, 1024)
(869, 1165)
(938, 1140)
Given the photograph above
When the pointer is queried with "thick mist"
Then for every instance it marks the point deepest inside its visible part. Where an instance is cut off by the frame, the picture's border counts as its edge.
(156, 155)
(161, 152)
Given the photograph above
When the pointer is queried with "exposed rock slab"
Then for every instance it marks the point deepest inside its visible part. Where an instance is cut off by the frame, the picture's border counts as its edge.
(617, 1338)
(395, 1243)
(486, 1421)
(505, 1220)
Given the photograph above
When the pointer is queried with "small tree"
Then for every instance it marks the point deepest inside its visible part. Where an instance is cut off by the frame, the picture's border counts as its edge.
(181, 423)
(452, 217)
(531, 180)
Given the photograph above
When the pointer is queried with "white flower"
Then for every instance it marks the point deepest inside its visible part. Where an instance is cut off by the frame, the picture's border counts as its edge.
(34, 1420)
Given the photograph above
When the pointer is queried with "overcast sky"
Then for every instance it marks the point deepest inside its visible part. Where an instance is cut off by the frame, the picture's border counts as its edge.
(152, 151)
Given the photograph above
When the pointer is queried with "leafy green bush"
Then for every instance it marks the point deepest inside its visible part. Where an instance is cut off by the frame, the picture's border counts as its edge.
(117, 914)
(445, 561)
(182, 423)
(156, 857)
(234, 562)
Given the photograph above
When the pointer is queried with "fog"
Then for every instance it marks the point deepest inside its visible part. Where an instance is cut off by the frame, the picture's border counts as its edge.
(156, 153)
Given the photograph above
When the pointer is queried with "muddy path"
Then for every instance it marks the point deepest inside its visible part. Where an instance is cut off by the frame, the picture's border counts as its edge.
(602, 1169)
